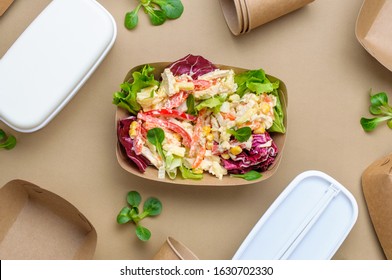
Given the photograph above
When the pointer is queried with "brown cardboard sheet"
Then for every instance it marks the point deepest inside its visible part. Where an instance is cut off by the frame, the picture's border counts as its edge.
(38, 224)
(315, 52)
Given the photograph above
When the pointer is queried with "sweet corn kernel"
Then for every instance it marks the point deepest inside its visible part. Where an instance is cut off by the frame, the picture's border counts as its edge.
(259, 130)
(209, 145)
(206, 130)
(132, 129)
(235, 150)
(197, 170)
(225, 156)
(265, 108)
(210, 137)
(177, 136)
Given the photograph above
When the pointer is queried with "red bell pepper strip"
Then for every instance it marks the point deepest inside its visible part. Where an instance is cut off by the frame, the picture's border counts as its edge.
(171, 113)
(201, 84)
(177, 99)
(186, 138)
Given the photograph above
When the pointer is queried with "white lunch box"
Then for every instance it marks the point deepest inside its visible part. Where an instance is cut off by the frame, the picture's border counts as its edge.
(309, 221)
(51, 60)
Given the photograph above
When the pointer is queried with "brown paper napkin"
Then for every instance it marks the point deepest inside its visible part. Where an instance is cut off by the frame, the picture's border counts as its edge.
(4, 4)
(377, 190)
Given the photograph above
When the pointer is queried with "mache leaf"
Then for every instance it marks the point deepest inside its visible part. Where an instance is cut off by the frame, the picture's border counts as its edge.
(143, 233)
(172, 8)
(153, 206)
(131, 19)
(134, 198)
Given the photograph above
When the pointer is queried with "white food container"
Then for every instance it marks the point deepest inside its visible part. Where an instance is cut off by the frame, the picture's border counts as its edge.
(308, 221)
(51, 60)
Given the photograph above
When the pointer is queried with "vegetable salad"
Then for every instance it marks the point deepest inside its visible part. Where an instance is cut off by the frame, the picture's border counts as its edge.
(197, 118)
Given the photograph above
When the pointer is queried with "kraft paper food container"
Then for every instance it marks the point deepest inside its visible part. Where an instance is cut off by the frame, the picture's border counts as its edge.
(151, 172)
(308, 221)
(36, 224)
(377, 190)
(50, 61)
(4, 5)
(174, 250)
(374, 30)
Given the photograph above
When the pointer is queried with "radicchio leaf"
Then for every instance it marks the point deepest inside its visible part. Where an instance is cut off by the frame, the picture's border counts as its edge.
(259, 157)
(127, 143)
(193, 65)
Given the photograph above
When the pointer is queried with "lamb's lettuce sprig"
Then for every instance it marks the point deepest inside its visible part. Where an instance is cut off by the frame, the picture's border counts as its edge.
(158, 12)
(7, 141)
(131, 213)
(379, 108)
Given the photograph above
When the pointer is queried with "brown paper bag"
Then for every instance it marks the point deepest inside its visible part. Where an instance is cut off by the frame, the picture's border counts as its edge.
(377, 190)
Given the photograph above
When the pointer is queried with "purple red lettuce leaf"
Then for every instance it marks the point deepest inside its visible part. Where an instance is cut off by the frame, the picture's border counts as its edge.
(258, 158)
(127, 143)
(193, 65)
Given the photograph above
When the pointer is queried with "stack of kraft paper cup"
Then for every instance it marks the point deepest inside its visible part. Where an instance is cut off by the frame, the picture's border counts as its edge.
(243, 16)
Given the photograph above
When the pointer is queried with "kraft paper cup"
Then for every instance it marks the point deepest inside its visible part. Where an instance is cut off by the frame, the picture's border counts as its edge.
(232, 12)
(245, 16)
(174, 250)
(263, 11)
(256, 12)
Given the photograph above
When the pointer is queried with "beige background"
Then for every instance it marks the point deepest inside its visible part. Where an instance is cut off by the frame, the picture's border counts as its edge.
(313, 50)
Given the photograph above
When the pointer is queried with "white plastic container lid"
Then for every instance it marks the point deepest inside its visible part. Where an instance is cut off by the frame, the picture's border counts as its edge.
(51, 60)
(308, 221)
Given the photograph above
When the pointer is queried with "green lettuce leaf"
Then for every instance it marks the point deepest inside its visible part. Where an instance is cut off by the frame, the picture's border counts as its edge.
(188, 174)
(213, 103)
(256, 81)
(278, 124)
(126, 98)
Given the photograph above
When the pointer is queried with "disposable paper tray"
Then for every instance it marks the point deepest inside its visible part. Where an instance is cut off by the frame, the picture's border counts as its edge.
(374, 30)
(309, 220)
(208, 179)
(51, 60)
(37, 224)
